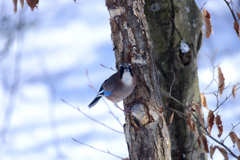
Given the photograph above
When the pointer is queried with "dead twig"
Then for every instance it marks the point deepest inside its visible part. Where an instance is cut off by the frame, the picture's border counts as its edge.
(108, 67)
(78, 109)
(107, 152)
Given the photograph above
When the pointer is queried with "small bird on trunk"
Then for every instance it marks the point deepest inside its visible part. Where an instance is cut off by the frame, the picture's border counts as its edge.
(118, 86)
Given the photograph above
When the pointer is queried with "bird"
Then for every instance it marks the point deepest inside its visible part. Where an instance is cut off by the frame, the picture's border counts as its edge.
(118, 86)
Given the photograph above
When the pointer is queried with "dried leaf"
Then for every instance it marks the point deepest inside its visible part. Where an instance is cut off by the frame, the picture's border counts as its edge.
(200, 114)
(232, 135)
(32, 4)
(238, 14)
(15, 6)
(224, 152)
(234, 91)
(219, 125)
(203, 101)
(212, 150)
(171, 118)
(236, 27)
(238, 143)
(22, 3)
(221, 80)
(191, 124)
(189, 121)
(190, 108)
(204, 140)
(208, 23)
(235, 139)
(210, 121)
(199, 141)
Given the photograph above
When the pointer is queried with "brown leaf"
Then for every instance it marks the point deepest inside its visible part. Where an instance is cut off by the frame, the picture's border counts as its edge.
(235, 139)
(189, 120)
(212, 150)
(32, 4)
(171, 118)
(200, 114)
(191, 124)
(203, 101)
(234, 91)
(199, 141)
(208, 23)
(22, 3)
(221, 80)
(204, 140)
(238, 14)
(238, 143)
(15, 5)
(210, 121)
(236, 27)
(232, 135)
(219, 125)
(190, 108)
(224, 152)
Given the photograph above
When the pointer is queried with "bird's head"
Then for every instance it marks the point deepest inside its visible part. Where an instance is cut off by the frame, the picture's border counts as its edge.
(125, 67)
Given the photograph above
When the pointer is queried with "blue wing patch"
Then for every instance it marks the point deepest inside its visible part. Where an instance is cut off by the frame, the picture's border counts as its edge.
(106, 93)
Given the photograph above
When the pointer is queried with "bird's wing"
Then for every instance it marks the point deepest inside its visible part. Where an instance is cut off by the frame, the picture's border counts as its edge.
(111, 83)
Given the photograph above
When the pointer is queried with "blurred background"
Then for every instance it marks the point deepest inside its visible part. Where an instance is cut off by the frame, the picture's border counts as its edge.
(44, 56)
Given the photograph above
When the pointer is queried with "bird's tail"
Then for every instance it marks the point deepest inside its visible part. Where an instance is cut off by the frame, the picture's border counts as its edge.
(94, 102)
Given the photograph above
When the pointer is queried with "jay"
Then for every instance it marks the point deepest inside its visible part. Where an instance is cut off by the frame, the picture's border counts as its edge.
(118, 86)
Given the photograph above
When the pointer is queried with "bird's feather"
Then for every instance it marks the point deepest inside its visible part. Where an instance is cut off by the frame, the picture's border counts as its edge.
(94, 102)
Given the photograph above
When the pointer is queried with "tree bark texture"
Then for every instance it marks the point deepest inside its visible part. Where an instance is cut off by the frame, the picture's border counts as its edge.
(145, 129)
(148, 35)
(171, 21)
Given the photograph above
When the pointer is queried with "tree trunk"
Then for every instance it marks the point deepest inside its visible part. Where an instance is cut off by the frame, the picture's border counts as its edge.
(169, 23)
(148, 36)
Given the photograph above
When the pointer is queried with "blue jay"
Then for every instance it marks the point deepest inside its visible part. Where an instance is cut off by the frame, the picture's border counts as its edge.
(118, 86)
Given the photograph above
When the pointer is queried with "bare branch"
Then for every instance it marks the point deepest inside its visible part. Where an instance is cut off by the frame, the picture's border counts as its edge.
(172, 82)
(225, 100)
(108, 67)
(107, 152)
(228, 4)
(231, 131)
(77, 108)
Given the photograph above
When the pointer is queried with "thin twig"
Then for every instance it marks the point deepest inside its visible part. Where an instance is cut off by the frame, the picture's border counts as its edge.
(110, 111)
(228, 4)
(77, 108)
(170, 90)
(107, 152)
(213, 67)
(230, 131)
(203, 5)
(224, 88)
(225, 100)
(107, 67)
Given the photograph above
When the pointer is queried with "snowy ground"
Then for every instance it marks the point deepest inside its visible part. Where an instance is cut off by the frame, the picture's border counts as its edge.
(62, 41)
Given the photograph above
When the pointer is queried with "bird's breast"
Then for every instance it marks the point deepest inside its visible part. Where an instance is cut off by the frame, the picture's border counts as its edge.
(127, 78)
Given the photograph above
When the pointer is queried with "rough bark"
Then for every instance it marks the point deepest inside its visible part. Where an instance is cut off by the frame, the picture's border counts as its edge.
(148, 36)
(171, 21)
(145, 129)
